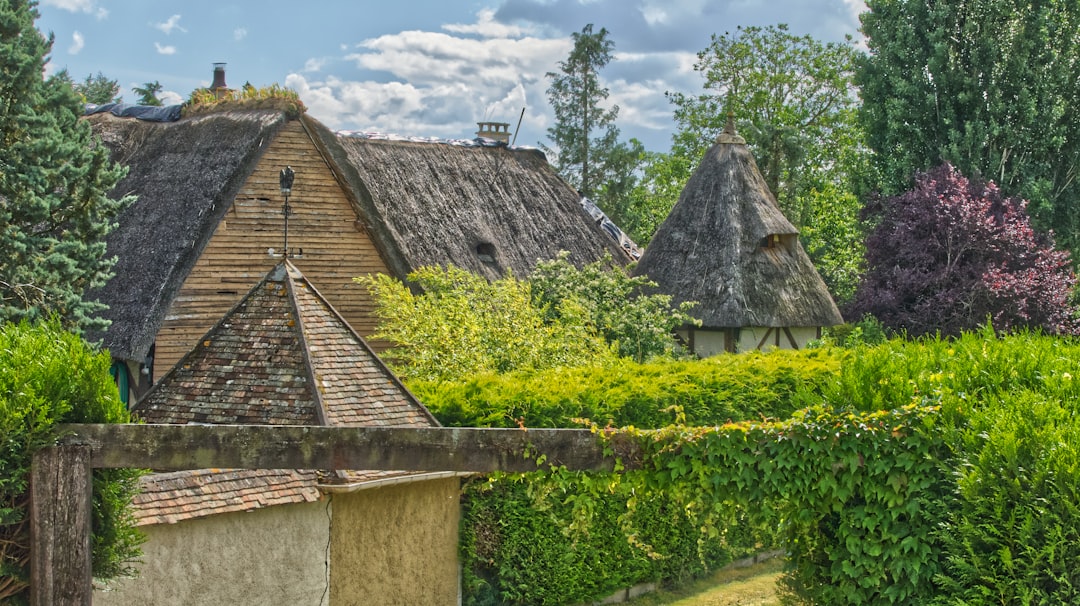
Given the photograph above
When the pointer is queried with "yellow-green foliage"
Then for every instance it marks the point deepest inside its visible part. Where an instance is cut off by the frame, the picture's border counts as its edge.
(926, 472)
(710, 391)
(275, 96)
(463, 325)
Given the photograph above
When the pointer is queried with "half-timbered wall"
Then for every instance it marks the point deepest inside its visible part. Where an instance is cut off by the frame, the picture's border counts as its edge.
(323, 223)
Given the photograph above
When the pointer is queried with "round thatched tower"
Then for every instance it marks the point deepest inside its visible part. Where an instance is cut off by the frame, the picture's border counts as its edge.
(727, 245)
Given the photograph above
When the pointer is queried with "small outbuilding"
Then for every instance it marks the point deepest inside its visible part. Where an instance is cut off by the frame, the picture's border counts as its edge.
(728, 246)
(284, 356)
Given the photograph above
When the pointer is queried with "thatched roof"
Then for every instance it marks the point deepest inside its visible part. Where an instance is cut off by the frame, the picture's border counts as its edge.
(424, 203)
(487, 209)
(185, 175)
(714, 249)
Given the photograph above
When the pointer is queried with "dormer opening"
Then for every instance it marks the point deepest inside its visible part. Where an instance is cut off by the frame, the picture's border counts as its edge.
(785, 242)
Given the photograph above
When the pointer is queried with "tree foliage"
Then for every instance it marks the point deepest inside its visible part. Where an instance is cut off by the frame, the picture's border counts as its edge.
(794, 101)
(639, 326)
(97, 89)
(49, 376)
(584, 132)
(463, 325)
(54, 211)
(986, 85)
(148, 93)
(952, 253)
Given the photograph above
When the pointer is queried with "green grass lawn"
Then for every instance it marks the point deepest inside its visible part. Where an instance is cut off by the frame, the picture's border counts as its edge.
(751, 586)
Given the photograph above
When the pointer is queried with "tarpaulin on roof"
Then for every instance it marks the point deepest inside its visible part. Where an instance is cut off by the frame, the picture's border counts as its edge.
(610, 228)
(150, 113)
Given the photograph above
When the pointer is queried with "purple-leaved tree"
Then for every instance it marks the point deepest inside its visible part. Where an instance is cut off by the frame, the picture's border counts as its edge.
(952, 252)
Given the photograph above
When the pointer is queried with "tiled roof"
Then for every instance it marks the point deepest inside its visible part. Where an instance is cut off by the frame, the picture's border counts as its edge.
(355, 386)
(167, 498)
(282, 356)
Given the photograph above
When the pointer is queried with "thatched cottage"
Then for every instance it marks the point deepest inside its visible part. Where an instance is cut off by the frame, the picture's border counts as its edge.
(727, 245)
(209, 220)
(283, 355)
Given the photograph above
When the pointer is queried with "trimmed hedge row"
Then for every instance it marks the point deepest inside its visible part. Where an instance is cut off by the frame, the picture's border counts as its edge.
(519, 543)
(927, 472)
(519, 547)
(703, 392)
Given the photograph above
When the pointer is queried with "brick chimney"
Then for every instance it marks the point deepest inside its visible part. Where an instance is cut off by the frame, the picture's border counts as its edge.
(219, 87)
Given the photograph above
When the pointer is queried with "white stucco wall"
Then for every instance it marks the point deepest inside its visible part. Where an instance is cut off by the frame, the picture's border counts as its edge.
(274, 555)
(711, 342)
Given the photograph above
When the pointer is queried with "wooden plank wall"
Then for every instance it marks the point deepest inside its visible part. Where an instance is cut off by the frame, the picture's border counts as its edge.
(323, 223)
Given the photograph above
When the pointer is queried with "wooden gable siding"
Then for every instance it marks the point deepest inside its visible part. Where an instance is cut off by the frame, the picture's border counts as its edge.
(324, 223)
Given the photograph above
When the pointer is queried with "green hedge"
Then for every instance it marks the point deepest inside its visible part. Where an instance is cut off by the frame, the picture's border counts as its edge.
(714, 390)
(927, 472)
(49, 376)
(521, 548)
(1009, 408)
(514, 552)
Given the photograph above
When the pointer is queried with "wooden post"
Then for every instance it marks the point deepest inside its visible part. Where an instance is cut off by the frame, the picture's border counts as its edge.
(60, 505)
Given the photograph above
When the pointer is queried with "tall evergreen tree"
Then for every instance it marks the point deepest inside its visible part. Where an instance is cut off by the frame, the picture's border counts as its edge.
(989, 86)
(54, 179)
(584, 134)
(97, 89)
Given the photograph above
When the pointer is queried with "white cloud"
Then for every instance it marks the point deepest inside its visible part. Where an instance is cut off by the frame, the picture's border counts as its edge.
(77, 43)
(441, 83)
(169, 97)
(315, 64)
(165, 50)
(169, 25)
(487, 27)
(239, 33)
(79, 6)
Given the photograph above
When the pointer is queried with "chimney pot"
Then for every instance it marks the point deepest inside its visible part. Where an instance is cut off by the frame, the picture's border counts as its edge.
(219, 87)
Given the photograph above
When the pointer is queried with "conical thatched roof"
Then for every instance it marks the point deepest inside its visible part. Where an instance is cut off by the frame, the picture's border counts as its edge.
(487, 209)
(282, 356)
(186, 175)
(727, 245)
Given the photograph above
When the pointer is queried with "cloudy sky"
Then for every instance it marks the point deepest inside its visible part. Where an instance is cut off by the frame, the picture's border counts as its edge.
(418, 67)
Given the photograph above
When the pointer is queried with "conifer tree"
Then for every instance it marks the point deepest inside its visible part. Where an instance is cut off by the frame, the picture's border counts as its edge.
(584, 134)
(54, 179)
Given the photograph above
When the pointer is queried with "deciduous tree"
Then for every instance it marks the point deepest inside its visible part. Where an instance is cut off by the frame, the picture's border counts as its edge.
(989, 86)
(54, 179)
(952, 253)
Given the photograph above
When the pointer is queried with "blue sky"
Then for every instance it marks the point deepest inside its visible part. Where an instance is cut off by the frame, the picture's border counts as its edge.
(418, 67)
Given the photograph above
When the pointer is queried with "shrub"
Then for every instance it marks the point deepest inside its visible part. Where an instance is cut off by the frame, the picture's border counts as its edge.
(951, 252)
(48, 376)
(710, 391)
